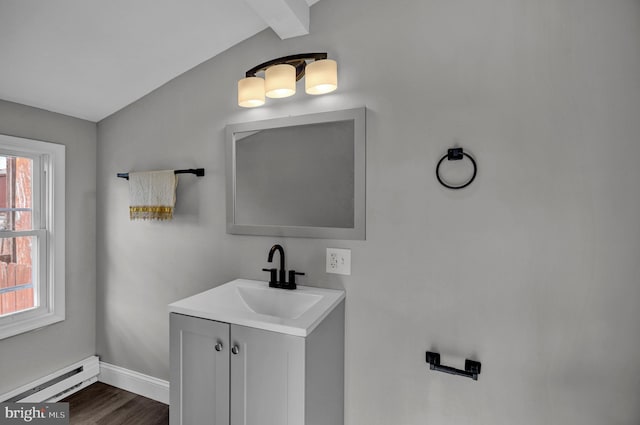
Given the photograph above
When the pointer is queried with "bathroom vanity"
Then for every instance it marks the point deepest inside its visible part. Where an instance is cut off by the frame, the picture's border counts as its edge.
(246, 354)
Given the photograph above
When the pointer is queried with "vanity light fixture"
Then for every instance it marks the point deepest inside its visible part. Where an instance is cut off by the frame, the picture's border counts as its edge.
(280, 76)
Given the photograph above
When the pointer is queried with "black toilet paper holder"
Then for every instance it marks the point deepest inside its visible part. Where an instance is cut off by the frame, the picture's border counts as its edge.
(471, 367)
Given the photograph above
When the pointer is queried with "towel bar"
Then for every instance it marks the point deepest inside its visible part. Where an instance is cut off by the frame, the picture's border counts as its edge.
(197, 171)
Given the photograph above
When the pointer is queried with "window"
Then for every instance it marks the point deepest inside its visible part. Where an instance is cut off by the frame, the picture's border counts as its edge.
(32, 201)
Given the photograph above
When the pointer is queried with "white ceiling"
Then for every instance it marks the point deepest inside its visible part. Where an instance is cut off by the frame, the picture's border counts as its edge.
(90, 58)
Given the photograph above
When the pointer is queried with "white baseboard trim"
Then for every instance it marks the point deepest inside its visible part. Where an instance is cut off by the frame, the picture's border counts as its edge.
(135, 382)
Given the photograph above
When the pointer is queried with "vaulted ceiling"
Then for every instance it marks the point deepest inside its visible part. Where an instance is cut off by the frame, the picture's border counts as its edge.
(90, 58)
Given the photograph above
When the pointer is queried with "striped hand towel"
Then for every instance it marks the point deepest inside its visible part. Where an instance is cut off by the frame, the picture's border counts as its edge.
(152, 195)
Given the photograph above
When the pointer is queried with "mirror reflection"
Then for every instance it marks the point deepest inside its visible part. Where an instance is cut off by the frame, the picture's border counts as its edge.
(296, 176)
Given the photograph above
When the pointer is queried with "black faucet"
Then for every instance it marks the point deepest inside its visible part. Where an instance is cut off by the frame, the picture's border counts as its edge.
(280, 281)
(283, 273)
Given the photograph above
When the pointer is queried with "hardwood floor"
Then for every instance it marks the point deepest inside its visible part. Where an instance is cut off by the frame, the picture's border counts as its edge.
(102, 404)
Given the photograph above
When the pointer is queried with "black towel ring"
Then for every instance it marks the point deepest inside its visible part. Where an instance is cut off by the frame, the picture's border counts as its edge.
(454, 155)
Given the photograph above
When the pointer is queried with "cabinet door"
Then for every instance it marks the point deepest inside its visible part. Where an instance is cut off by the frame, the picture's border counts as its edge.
(267, 378)
(199, 388)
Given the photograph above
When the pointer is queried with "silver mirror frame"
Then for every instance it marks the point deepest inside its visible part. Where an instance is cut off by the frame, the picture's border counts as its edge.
(358, 116)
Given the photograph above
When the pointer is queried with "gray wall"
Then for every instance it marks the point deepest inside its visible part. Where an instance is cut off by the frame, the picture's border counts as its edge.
(532, 270)
(34, 354)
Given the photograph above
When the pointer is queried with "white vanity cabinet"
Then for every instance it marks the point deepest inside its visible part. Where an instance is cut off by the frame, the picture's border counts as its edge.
(231, 374)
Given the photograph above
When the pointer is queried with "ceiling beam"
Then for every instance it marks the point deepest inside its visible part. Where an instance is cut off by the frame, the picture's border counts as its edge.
(287, 18)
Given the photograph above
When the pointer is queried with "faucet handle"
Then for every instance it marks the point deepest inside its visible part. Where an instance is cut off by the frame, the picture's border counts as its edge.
(292, 279)
(273, 277)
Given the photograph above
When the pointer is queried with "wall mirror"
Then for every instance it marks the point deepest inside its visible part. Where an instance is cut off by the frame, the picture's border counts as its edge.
(300, 176)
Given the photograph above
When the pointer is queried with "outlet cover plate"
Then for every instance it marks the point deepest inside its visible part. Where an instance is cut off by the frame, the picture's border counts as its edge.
(339, 261)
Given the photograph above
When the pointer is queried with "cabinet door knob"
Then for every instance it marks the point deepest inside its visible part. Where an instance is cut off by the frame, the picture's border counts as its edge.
(219, 346)
(235, 349)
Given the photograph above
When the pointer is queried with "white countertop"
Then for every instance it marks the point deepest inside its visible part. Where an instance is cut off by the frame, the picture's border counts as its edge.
(230, 303)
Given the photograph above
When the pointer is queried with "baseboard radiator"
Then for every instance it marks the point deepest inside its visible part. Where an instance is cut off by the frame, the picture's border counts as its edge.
(57, 385)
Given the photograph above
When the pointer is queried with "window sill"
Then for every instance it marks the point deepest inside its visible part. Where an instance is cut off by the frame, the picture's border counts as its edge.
(16, 326)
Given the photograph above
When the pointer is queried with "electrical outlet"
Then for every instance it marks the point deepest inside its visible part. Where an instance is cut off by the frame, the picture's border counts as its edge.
(339, 261)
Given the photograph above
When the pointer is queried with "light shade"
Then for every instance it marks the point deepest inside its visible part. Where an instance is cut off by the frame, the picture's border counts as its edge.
(321, 77)
(251, 92)
(280, 81)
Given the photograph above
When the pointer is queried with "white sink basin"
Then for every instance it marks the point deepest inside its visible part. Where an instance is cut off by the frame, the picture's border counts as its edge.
(252, 303)
(284, 304)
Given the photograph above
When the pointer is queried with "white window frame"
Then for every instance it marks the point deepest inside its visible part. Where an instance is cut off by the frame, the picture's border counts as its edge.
(49, 230)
